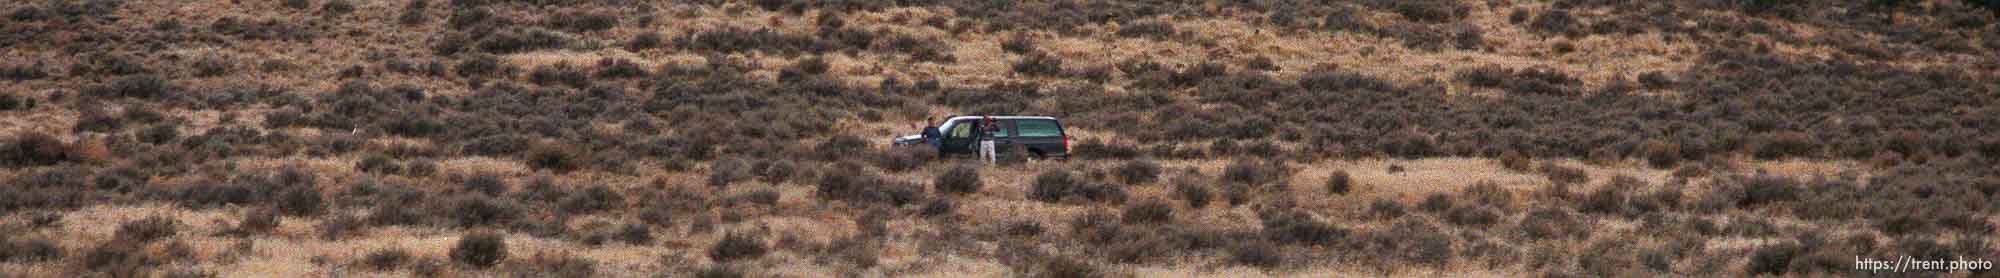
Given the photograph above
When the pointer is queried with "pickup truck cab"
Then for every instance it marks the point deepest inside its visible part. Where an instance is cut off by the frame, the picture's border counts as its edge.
(1042, 137)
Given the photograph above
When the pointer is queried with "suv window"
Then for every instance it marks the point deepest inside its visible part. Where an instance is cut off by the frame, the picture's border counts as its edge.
(1038, 128)
(1002, 129)
(962, 129)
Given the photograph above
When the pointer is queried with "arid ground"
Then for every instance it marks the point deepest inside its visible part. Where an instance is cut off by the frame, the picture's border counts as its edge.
(625, 138)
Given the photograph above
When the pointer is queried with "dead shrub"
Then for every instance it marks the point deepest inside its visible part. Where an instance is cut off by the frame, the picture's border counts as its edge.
(760, 196)
(1385, 209)
(735, 246)
(29, 250)
(594, 199)
(1039, 64)
(560, 74)
(1150, 211)
(22, 72)
(485, 183)
(1785, 144)
(1412, 240)
(1489, 193)
(1298, 227)
(559, 265)
(1537, 81)
(1339, 183)
(143, 86)
(119, 257)
(1018, 44)
(645, 41)
(657, 214)
(1097, 149)
(1605, 200)
(421, 167)
(735, 40)
(336, 8)
(1608, 258)
(395, 213)
(34, 149)
(1255, 172)
(618, 68)
(1660, 154)
(1256, 253)
(480, 249)
(1478, 216)
(1137, 172)
(476, 211)
(850, 183)
(841, 146)
(1262, 63)
(258, 221)
(1764, 189)
(1437, 202)
(1055, 185)
(1772, 259)
(635, 234)
(718, 271)
(515, 40)
(1429, 11)
(1157, 30)
(959, 179)
(919, 48)
(1566, 175)
(1190, 188)
(582, 21)
(413, 13)
(480, 65)
(386, 259)
(904, 159)
(147, 229)
(776, 171)
(938, 207)
(1514, 161)
(726, 171)
(1545, 224)
(1067, 267)
(1556, 22)
(377, 164)
(556, 159)
(1409, 144)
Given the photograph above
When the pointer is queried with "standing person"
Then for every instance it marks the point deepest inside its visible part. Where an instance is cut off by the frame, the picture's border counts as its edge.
(987, 126)
(933, 136)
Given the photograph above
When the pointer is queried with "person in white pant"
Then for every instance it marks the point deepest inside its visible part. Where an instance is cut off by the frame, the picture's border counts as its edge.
(987, 126)
(986, 150)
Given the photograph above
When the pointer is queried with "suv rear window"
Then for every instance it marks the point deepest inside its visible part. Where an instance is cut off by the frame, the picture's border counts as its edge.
(1037, 128)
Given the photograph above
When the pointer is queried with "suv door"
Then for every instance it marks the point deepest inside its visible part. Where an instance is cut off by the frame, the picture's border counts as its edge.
(1003, 135)
(960, 138)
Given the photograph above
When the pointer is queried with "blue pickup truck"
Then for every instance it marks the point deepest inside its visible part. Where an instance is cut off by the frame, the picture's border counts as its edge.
(1042, 137)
